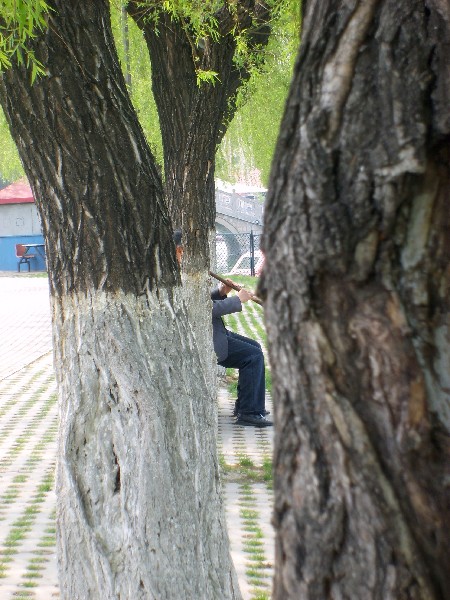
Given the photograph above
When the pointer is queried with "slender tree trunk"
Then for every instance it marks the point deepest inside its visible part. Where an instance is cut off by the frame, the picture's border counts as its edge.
(357, 281)
(139, 509)
(190, 118)
(193, 119)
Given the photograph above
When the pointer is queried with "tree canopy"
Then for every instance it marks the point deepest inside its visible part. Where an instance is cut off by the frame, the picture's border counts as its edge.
(20, 21)
(250, 139)
(249, 144)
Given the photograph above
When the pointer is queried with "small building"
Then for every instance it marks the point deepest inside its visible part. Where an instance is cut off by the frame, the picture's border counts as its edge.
(19, 224)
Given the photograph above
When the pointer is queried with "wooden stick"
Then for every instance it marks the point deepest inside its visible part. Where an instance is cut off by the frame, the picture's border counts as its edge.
(235, 286)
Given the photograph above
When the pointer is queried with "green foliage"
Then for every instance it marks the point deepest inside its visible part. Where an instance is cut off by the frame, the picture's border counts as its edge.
(198, 15)
(21, 20)
(209, 77)
(199, 18)
(246, 461)
(10, 165)
(249, 143)
(140, 89)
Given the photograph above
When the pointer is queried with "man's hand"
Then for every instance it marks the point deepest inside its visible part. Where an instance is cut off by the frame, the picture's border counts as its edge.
(224, 290)
(244, 296)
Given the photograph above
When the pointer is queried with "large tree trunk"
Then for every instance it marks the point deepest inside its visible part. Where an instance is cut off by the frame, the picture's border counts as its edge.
(357, 281)
(139, 507)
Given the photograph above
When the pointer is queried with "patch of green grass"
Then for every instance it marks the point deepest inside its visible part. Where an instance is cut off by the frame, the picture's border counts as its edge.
(232, 387)
(45, 487)
(268, 469)
(247, 496)
(245, 461)
(258, 557)
(47, 542)
(31, 510)
(239, 473)
(5, 553)
(225, 468)
(250, 283)
(253, 573)
(256, 533)
(268, 380)
(38, 560)
(10, 495)
(51, 530)
(39, 498)
(16, 535)
(247, 502)
(231, 322)
(260, 596)
(246, 488)
(29, 574)
(43, 551)
(5, 559)
(253, 529)
(251, 545)
(249, 514)
(20, 478)
(35, 568)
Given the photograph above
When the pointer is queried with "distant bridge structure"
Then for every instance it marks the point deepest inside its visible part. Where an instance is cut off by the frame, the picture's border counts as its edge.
(239, 224)
(239, 213)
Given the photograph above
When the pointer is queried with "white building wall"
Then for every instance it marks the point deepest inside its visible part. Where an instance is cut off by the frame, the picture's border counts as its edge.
(19, 219)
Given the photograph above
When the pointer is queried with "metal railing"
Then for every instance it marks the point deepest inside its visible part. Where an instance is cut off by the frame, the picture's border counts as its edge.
(238, 253)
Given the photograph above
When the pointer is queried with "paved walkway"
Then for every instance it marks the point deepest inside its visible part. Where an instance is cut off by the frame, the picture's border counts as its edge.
(28, 426)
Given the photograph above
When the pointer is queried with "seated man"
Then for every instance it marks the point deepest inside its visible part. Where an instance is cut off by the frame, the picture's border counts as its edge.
(239, 352)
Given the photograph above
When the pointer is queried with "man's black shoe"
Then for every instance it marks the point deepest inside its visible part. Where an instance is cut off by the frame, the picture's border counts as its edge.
(255, 420)
(236, 410)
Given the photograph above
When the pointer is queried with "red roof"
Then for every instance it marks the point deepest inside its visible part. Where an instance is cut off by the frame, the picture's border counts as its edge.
(16, 193)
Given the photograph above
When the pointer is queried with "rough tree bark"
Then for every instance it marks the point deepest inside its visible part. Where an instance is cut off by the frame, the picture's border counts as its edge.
(357, 281)
(139, 508)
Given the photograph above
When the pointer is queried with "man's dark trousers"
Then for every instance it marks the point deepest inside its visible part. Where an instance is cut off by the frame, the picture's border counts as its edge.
(246, 355)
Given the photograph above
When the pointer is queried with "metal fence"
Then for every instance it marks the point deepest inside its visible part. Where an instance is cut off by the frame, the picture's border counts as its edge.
(238, 253)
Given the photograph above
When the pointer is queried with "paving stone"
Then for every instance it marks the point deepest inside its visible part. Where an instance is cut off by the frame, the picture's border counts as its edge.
(27, 387)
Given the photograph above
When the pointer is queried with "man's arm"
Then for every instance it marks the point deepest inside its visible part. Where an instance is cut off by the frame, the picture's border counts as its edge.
(226, 306)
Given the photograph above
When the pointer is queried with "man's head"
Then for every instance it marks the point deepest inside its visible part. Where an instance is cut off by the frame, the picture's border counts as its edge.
(177, 236)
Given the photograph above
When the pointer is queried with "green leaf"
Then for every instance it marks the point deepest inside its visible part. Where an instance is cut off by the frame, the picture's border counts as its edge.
(206, 77)
(22, 20)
